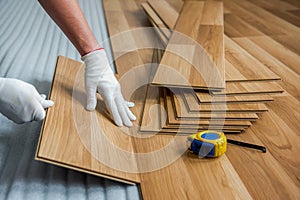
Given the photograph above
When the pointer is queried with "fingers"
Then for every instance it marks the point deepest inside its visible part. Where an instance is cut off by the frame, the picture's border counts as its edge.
(120, 111)
(40, 105)
(45, 103)
(91, 100)
(130, 104)
(121, 105)
(130, 114)
(112, 107)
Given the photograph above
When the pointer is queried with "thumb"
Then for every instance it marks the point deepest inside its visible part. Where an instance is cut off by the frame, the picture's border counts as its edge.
(91, 100)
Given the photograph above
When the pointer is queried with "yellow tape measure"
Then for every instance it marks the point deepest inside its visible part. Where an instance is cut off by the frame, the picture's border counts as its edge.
(208, 143)
(213, 144)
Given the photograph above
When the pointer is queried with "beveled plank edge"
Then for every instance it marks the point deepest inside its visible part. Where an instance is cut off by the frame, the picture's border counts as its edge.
(92, 172)
(46, 115)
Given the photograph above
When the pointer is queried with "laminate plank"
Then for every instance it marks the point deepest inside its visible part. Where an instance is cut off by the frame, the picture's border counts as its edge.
(294, 2)
(158, 22)
(246, 66)
(253, 165)
(192, 104)
(288, 108)
(289, 17)
(171, 119)
(156, 119)
(205, 98)
(292, 42)
(247, 88)
(295, 12)
(188, 182)
(274, 5)
(289, 77)
(169, 13)
(283, 141)
(244, 62)
(71, 143)
(189, 64)
(234, 26)
(182, 112)
(152, 117)
(260, 18)
(164, 34)
(176, 4)
(129, 39)
(283, 54)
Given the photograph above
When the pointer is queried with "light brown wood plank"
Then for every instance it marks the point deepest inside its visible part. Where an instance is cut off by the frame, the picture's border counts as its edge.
(289, 17)
(248, 66)
(182, 112)
(289, 77)
(245, 67)
(187, 61)
(192, 104)
(247, 88)
(171, 118)
(176, 4)
(152, 117)
(169, 13)
(295, 12)
(156, 119)
(70, 143)
(186, 184)
(234, 26)
(274, 5)
(260, 18)
(288, 109)
(158, 22)
(283, 54)
(294, 2)
(253, 164)
(204, 98)
(292, 42)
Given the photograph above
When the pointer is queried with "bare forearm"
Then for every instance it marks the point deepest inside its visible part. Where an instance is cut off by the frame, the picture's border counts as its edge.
(68, 16)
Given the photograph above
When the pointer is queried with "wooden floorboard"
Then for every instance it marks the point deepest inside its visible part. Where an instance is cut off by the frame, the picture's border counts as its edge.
(207, 98)
(193, 105)
(198, 66)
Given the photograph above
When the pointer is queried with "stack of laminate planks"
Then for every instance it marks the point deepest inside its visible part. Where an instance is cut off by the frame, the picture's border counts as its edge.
(207, 80)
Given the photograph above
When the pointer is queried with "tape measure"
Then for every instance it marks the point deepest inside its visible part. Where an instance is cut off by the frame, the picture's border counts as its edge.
(213, 144)
(208, 143)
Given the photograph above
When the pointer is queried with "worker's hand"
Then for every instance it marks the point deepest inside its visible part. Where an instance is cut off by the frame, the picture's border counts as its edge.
(21, 102)
(99, 77)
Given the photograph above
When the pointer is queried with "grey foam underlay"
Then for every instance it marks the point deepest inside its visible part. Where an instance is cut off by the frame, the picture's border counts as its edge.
(29, 45)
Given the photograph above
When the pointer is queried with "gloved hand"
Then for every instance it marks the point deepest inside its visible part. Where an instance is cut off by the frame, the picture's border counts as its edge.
(20, 101)
(99, 77)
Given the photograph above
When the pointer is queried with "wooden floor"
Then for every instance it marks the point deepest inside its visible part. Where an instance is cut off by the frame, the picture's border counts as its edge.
(269, 31)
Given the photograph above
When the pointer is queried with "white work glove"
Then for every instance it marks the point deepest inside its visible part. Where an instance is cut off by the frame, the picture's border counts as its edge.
(100, 77)
(21, 102)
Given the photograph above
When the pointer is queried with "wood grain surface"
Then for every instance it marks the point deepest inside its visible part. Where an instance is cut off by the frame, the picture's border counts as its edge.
(70, 136)
(204, 98)
(195, 52)
(193, 105)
